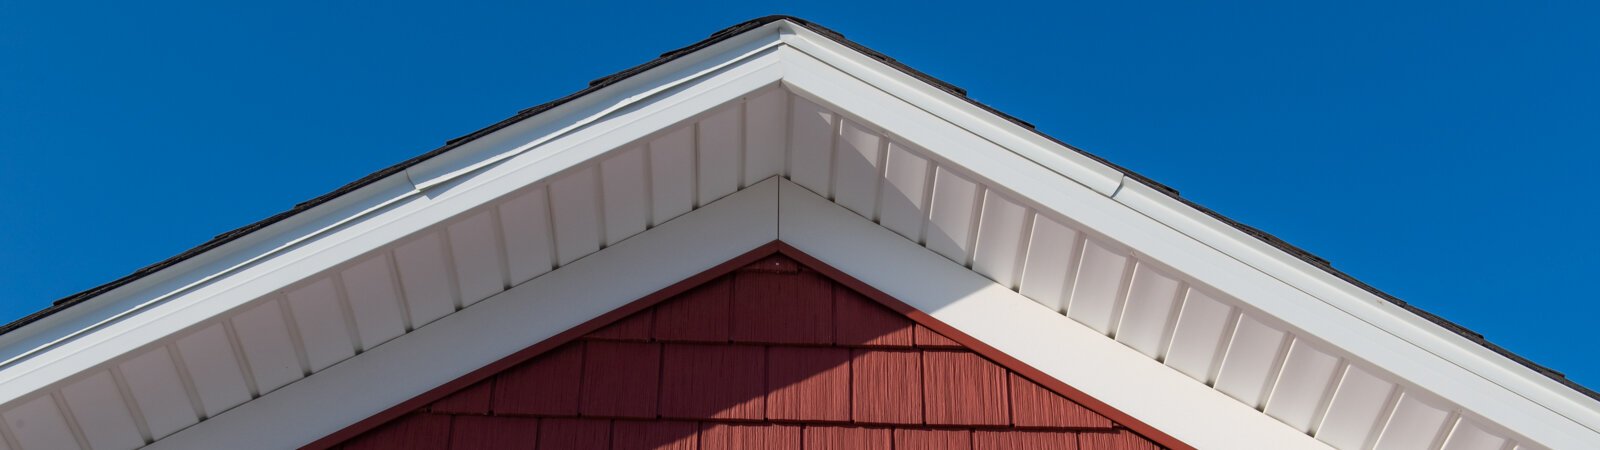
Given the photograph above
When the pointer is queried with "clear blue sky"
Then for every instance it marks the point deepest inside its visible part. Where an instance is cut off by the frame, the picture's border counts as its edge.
(1443, 151)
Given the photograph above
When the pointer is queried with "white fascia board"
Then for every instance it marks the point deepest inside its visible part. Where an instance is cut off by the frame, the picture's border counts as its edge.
(494, 328)
(393, 218)
(1021, 328)
(1315, 316)
(1360, 303)
(534, 132)
(960, 113)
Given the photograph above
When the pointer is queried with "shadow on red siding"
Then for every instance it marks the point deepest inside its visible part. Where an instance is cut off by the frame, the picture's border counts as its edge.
(774, 355)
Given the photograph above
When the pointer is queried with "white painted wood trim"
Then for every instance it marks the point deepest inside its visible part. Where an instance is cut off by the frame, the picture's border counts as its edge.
(406, 212)
(491, 329)
(1019, 327)
(1511, 403)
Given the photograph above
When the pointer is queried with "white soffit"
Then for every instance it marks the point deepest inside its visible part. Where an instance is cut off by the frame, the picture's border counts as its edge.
(295, 298)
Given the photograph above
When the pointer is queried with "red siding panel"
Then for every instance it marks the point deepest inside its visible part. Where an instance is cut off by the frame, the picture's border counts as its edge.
(846, 438)
(546, 385)
(859, 321)
(412, 432)
(927, 338)
(886, 386)
(831, 368)
(722, 436)
(962, 388)
(574, 434)
(712, 381)
(1034, 406)
(920, 439)
(619, 379)
(494, 433)
(699, 315)
(808, 383)
(635, 327)
(782, 308)
(1115, 440)
(657, 435)
(472, 400)
(1024, 440)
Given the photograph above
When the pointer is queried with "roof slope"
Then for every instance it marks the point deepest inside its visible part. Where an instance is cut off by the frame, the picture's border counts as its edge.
(774, 348)
(719, 36)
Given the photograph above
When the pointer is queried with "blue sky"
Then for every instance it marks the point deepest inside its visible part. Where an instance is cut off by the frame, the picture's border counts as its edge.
(1440, 151)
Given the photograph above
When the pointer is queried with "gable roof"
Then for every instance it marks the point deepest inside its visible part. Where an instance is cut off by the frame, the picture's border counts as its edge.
(417, 209)
(779, 343)
(602, 82)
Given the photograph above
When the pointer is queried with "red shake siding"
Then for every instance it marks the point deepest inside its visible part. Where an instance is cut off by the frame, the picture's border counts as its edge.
(620, 379)
(920, 439)
(493, 433)
(713, 381)
(723, 436)
(962, 388)
(846, 438)
(927, 338)
(775, 356)
(808, 384)
(546, 385)
(472, 400)
(700, 315)
(859, 321)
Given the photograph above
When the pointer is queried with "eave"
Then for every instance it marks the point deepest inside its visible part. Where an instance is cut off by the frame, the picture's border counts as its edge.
(470, 176)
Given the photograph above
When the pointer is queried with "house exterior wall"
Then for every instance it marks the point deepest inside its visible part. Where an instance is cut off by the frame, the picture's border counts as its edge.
(774, 355)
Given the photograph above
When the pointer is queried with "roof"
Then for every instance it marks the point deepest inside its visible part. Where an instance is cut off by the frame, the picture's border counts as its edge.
(720, 36)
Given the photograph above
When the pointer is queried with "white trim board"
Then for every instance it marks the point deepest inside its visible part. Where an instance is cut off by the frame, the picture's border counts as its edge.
(1023, 329)
(1000, 156)
(495, 327)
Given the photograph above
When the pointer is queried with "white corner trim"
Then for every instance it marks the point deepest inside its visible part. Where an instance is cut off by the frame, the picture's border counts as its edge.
(1019, 327)
(476, 336)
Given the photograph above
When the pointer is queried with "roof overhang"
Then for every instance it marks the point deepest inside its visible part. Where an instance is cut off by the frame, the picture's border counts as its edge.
(1311, 308)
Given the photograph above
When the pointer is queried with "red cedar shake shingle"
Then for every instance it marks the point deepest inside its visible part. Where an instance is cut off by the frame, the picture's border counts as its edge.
(808, 383)
(782, 308)
(699, 315)
(619, 379)
(962, 388)
(927, 338)
(859, 321)
(833, 367)
(494, 433)
(1115, 440)
(658, 435)
(635, 327)
(472, 400)
(712, 381)
(412, 432)
(546, 385)
(1034, 406)
(846, 438)
(1024, 440)
(919, 439)
(886, 386)
(720, 436)
(574, 434)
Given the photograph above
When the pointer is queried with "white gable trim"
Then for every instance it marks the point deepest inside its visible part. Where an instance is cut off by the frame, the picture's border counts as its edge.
(1290, 290)
(1266, 285)
(1023, 329)
(495, 327)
